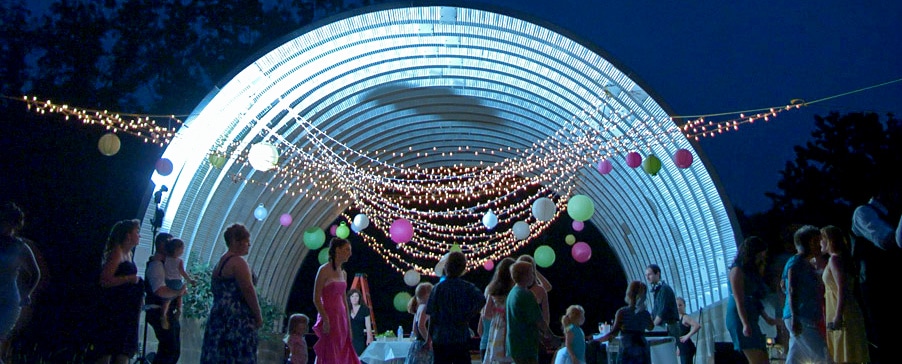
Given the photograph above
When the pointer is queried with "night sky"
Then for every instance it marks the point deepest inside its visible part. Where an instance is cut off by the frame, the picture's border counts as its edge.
(699, 58)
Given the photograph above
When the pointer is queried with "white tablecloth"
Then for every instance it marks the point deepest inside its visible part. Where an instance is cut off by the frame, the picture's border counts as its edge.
(663, 349)
(379, 352)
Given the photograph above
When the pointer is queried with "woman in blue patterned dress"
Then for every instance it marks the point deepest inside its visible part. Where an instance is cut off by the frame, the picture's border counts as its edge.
(231, 333)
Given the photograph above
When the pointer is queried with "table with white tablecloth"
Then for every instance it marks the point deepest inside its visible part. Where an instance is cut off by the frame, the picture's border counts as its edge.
(384, 351)
(663, 349)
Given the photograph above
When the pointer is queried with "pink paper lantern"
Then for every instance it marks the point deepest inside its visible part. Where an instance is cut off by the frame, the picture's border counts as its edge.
(578, 225)
(401, 231)
(333, 229)
(285, 219)
(604, 166)
(163, 166)
(682, 158)
(488, 265)
(581, 252)
(633, 159)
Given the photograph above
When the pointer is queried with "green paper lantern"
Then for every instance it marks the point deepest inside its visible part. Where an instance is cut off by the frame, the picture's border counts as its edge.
(401, 300)
(314, 237)
(456, 248)
(580, 207)
(569, 239)
(544, 256)
(323, 256)
(651, 165)
(342, 230)
(217, 160)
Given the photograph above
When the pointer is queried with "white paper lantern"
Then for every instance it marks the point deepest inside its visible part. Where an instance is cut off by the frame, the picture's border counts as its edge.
(360, 222)
(108, 144)
(543, 209)
(260, 212)
(411, 277)
(490, 220)
(521, 230)
(263, 156)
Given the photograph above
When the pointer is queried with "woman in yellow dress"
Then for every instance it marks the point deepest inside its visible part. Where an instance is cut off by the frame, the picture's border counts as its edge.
(846, 338)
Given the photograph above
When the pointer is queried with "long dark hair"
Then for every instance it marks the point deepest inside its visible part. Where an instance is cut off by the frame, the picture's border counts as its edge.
(745, 257)
(501, 283)
(334, 244)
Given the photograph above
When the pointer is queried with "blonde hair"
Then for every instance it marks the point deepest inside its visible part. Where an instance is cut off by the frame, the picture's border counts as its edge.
(421, 295)
(295, 320)
(575, 315)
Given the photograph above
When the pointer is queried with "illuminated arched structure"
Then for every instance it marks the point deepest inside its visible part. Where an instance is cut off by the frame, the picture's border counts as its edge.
(413, 79)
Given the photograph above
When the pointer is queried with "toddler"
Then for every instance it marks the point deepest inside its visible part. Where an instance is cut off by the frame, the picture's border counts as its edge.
(175, 273)
(575, 350)
(297, 346)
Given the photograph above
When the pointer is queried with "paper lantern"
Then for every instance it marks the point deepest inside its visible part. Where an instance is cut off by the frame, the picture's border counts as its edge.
(581, 252)
(440, 266)
(521, 230)
(163, 166)
(361, 221)
(682, 158)
(543, 209)
(411, 277)
(333, 230)
(544, 256)
(323, 256)
(604, 166)
(569, 239)
(261, 212)
(401, 231)
(342, 231)
(490, 220)
(263, 156)
(580, 207)
(217, 160)
(285, 219)
(314, 237)
(456, 248)
(578, 225)
(488, 265)
(108, 144)
(633, 159)
(652, 165)
(401, 300)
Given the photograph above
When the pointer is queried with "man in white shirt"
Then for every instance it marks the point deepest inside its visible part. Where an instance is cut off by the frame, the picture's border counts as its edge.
(169, 340)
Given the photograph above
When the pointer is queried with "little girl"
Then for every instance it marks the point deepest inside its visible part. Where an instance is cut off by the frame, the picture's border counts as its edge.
(575, 351)
(297, 346)
(175, 271)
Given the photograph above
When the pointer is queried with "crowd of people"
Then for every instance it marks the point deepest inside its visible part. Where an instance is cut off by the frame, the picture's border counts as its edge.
(825, 287)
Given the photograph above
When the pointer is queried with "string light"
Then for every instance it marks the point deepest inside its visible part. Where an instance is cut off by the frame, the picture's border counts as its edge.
(444, 204)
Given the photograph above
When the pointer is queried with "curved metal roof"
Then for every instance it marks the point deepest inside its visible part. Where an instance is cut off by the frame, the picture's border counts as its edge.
(396, 84)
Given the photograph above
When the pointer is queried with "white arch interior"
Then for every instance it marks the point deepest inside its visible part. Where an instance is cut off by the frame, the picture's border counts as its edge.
(393, 82)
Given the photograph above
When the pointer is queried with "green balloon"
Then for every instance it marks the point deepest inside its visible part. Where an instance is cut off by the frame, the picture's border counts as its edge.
(544, 256)
(342, 230)
(570, 239)
(401, 300)
(651, 165)
(580, 207)
(323, 256)
(314, 237)
(456, 248)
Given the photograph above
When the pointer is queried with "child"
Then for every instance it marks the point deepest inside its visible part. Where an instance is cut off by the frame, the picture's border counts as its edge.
(575, 350)
(297, 346)
(175, 271)
(420, 351)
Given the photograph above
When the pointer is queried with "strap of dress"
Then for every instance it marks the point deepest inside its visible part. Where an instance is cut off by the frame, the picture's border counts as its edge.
(224, 262)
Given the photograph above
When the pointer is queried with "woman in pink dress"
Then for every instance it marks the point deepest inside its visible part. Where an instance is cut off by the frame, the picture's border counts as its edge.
(332, 321)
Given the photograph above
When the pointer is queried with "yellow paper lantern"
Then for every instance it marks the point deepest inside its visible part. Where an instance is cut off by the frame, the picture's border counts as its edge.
(109, 144)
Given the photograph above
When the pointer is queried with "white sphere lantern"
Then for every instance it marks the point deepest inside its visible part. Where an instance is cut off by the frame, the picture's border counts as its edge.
(263, 156)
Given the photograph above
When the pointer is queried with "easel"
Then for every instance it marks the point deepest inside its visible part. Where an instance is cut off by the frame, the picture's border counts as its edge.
(361, 285)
